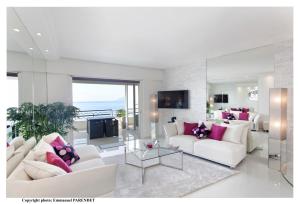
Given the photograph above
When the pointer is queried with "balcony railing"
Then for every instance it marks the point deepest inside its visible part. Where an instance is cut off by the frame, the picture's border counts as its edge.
(104, 113)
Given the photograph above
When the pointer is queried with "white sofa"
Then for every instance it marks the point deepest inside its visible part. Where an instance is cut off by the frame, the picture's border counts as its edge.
(16, 151)
(253, 118)
(253, 140)
(90, 177)
(223, 152)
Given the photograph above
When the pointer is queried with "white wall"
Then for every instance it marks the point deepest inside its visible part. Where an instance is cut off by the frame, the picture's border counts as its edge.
(283, 78)
(59, 88)
(265, 82)
(192, 78)
(237, 95)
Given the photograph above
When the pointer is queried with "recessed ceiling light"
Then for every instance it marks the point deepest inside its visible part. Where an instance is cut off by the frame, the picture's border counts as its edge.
(46, 50)
(16, 30)
(30, 48)
(39, 34)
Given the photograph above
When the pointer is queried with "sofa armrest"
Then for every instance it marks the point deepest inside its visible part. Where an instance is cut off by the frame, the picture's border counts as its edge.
(92, 182)
(170, 130)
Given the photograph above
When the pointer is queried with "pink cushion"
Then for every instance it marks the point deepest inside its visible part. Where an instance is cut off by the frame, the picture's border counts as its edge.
(217, 132)
(188, 128)
(243, 116)
(57, 161)
(225, 115)
(245, 110)
(57, 142)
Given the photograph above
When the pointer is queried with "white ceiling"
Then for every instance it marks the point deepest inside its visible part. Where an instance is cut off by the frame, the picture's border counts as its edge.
(153, 37)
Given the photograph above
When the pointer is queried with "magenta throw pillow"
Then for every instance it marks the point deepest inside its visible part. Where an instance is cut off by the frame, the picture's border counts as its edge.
(188, 128)
(244, 116)
(225, 115)
(217, 132)
(57, 161)
(245, 110)
(57, 142)
(65, 151)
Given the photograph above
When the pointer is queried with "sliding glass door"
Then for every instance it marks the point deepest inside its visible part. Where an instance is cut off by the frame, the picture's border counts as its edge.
(98, 98)
(132, 106)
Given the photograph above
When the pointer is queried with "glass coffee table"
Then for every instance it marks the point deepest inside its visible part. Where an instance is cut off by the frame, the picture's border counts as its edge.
(142, 154)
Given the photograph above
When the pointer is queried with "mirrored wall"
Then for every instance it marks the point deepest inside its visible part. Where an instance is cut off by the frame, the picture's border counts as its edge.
(26, 79)
(239, 83)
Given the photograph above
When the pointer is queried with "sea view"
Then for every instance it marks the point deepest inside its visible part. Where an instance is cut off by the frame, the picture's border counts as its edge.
(100, 105)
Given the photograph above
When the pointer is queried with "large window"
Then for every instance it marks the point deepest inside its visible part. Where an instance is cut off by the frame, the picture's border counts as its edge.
(98, 96)
(92, 97)
(13, 86)
(12, 100)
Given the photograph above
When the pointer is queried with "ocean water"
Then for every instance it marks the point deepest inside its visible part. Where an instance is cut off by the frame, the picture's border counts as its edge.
(100, 105)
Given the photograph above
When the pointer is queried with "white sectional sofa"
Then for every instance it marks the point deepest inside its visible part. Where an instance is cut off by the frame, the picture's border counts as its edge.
(16, 151)
(253, 118)
(223, 152)
(90, 177)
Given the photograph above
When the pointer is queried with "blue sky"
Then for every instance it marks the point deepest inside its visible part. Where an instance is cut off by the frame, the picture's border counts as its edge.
(97, 92)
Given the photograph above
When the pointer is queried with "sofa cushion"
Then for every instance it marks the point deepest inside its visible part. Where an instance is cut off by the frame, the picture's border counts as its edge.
(217, 132)
(67, 153)
(180, 127)
(18, 172)
(244, 116)
(49, 138)
(83, 165)
(188, 128)
(17, 142)
(233, 133)
(9, 152)
(87, 152)
(41, 150)
(220, 151)
(55, 160)
(40, 170)
(225, 115)
(185, 142)
(13, 162)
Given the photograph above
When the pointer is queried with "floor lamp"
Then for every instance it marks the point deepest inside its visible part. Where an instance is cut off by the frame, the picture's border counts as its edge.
(278, 129)
(154, 116)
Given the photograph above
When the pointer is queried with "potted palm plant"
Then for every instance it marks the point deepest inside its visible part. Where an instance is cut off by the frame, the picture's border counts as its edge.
(38, 120)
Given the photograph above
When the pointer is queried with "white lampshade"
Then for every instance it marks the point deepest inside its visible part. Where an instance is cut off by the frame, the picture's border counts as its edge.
(278, 113)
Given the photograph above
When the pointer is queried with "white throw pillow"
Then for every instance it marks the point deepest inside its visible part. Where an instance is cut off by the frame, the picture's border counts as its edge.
(10, 150)
(40, 170)
(49, 138)
(208, 124)
(40, 151)
(180, 127)
(233, 133)
(251, 116)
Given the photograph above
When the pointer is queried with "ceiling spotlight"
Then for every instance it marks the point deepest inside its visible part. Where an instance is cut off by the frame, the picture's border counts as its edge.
(39, 34)
(30, 48)
(16, 30)
(46, 51)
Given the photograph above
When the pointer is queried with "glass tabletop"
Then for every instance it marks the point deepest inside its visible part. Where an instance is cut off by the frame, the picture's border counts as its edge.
(140, 150)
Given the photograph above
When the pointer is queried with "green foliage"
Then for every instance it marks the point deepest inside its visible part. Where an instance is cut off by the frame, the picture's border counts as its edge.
(39, 120)
(121, 113)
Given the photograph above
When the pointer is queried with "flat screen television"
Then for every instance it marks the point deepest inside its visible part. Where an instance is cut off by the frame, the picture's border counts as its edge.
(173, 99)
(221, 98)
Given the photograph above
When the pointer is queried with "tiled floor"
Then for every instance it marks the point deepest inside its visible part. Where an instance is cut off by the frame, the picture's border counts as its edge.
(254, 180)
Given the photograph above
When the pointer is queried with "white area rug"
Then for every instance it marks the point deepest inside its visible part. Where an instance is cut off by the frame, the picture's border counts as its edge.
(161, 181)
